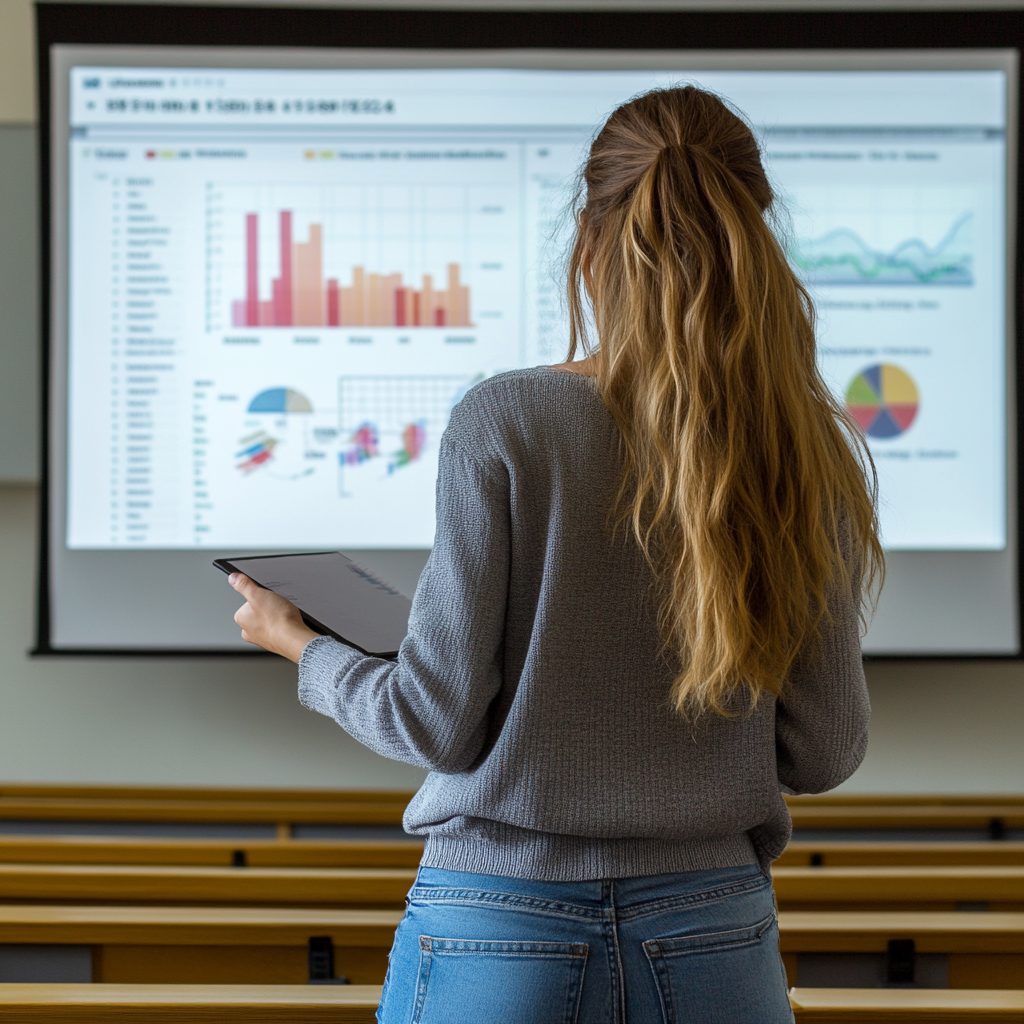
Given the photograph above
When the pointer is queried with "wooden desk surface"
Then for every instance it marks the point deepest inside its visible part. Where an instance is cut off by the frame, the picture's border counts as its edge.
(851, 853)
(905, 799)
(891, 884)
(327, 885)
(801, 931)
(348, 1004)
(251, 805)
(920, 1006)
(870, 931)
(372, 807)
(193, 926)
(189, 1004)
(279, 794)
(258, 852)
(190, 883)
(320, 795)
(323, 812)
(905, 816)
(407, 852)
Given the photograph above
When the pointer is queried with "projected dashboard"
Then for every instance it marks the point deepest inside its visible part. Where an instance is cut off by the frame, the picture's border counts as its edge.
(281, 281)
(273, 273)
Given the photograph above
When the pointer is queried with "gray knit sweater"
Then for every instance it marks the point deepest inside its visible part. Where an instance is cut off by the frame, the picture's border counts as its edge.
(532, 687)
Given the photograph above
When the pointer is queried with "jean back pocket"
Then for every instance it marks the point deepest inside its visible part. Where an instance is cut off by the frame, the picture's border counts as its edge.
(476, 981)
(725, 977)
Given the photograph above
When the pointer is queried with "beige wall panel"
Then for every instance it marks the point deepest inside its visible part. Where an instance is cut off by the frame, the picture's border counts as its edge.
(19, 303)
(17, 63)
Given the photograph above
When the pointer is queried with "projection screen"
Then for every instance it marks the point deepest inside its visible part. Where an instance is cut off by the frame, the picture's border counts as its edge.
(273, 273)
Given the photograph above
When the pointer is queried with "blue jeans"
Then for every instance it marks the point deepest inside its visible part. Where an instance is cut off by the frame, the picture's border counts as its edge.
(700, 947)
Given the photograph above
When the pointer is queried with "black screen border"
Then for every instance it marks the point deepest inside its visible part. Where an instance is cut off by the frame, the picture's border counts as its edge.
(228, 25)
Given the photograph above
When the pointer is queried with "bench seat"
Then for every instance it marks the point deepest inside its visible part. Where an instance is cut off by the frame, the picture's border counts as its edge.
(906, 1006)
(265, 853)
(189, 1004)
(930, 886)
(851, 853)
(134, 883)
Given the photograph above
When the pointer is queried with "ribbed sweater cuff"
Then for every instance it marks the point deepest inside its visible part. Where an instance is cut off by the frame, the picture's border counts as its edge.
(322, 666)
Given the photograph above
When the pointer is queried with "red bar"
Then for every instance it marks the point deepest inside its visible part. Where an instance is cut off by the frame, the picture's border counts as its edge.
(416, 308)
(283, 300)
(439, 317)
(252, 278)
(275, 298)
(333, 312)
(400, 307)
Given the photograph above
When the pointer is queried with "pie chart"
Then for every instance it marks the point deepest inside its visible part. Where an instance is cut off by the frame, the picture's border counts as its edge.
(280, 400)
(883, 400)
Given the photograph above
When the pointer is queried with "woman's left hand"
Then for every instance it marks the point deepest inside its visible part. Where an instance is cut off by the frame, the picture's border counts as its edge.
(269, 620)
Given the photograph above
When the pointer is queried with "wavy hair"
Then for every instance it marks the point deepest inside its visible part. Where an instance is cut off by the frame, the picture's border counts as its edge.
(750, 492)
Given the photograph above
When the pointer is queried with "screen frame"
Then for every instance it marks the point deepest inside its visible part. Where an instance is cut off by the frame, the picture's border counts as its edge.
(270, 27)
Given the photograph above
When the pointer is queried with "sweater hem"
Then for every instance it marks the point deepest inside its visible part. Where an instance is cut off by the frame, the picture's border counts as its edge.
(559, 858)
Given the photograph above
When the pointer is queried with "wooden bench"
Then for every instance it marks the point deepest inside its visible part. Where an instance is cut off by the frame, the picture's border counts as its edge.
(407, 852)
(851, 853)
(189, 1004)
(906, 1006)
(356, 1004)
(241, 945)
(983, 950)
(279, 807)
(181, 884)
(301, 1004)
(995, 814)
(796, 888)
(390, 853)
(897, 888)
(285, 808)
(207, 945)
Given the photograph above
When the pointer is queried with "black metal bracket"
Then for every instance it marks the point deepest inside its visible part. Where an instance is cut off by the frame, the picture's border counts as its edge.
(901, 962)
(321, 962)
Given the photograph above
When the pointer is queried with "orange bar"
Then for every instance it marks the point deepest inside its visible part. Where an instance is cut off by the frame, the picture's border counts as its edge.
(427, 302)
(346, 305)
(378, 309)
(358, 297)
(309, 298)
(393, 283)
(458, 299)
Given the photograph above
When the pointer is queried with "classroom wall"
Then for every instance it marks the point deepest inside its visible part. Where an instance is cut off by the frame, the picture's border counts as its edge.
(937, 726)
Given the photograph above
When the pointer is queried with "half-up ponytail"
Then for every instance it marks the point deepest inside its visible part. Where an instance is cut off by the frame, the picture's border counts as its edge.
(745, 485)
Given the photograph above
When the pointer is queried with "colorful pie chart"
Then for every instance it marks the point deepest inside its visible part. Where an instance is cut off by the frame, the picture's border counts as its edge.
(883, 400)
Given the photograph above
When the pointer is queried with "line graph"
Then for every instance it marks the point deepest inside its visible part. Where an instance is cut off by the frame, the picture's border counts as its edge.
(843, 257)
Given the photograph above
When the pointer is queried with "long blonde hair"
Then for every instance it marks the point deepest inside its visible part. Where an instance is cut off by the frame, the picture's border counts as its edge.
(748, 489)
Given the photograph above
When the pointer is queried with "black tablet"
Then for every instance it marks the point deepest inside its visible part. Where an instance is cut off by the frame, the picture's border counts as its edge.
(337, 597)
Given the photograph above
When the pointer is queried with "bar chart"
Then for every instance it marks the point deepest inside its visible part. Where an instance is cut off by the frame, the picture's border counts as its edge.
(301, 295)
(317, 254)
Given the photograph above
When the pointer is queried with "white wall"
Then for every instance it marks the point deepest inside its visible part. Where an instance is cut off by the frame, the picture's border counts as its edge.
(937, 727)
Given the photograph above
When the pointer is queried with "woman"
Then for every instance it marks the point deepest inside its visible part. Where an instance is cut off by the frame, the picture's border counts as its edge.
(638, 625)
